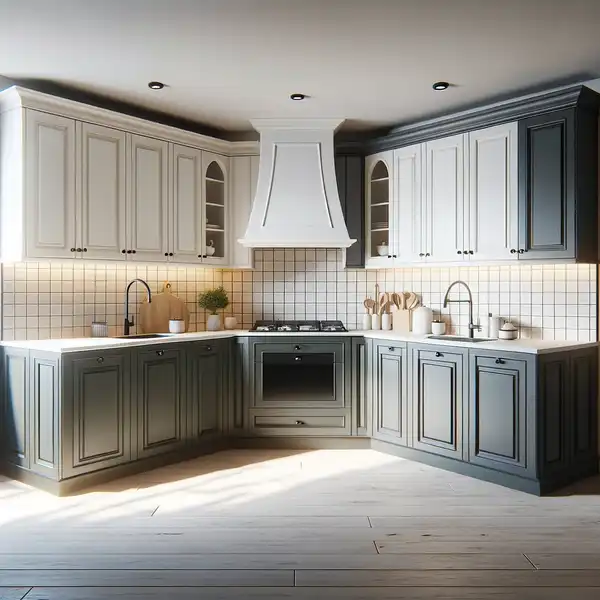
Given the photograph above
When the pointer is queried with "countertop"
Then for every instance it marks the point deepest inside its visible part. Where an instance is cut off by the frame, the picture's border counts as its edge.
(83, 344)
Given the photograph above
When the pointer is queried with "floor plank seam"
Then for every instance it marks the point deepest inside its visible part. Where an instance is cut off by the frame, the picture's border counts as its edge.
(370, 524)
(530, 562)
(376, 548)
(154, 511)
(26, 593)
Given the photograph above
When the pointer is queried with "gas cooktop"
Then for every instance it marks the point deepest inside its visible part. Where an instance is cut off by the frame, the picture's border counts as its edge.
(298, 326)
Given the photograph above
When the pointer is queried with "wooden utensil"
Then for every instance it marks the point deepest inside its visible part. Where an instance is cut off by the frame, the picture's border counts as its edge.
(155, 316)
(370, 305)
(401, 320)
(412, 300)
(384, 303)
(376, 293)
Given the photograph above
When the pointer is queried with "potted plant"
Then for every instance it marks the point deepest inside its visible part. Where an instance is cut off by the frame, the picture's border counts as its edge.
(213, 300)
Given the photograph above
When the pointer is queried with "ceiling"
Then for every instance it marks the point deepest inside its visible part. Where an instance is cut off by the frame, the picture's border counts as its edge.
(371, 62)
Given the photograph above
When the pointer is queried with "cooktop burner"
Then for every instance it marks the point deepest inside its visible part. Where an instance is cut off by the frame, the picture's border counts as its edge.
(298, 326)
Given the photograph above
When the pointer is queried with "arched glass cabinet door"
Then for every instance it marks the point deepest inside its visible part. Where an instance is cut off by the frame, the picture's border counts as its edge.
(379, 211)
(215, 223)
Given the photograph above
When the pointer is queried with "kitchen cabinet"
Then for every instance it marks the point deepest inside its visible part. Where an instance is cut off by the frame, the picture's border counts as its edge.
(361, 397)
(215, 169)
(49, 186)
(205, 397)
(390, 393)
(101, 187)
(96, 411)
(502, 413)
(439, 387)
(161, 401)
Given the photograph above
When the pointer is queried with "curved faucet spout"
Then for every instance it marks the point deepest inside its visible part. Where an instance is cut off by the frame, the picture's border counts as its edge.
(447, 300)
(128, 323)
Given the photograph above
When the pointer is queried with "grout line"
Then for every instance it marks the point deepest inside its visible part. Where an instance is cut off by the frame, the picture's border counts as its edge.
(370, 524)
(530, 562)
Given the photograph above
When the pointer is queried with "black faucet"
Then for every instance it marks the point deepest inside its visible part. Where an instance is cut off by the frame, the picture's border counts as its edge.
(129, 323)
(469, 301)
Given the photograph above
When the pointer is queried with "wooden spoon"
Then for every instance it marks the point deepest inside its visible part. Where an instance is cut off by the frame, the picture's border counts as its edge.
(384, 303)
(370, 305)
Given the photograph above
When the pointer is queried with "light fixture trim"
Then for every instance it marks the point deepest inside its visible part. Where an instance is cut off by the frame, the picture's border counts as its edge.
(440, 86)
(156, 85)
(297, 96)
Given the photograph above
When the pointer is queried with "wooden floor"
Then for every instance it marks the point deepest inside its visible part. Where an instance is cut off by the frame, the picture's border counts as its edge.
(352, 524)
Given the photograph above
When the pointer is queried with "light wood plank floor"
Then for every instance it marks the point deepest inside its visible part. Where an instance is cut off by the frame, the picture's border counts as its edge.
(352, 524)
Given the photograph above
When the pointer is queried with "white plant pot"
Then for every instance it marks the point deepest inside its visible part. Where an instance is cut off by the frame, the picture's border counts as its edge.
(213, 323)
(230, 322)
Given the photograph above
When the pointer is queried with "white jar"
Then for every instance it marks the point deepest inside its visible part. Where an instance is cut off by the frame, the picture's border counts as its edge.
(508, 332)
(422, 318)
(366, 322)
(438, 327)
(386, 321)
(375, 322)
(177, 326)
(230, 322)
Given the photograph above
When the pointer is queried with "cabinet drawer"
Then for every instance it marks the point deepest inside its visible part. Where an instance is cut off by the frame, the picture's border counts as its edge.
(299, 423)
(299, 349)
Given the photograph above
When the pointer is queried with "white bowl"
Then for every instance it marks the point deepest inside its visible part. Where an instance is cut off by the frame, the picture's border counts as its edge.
(383, 250)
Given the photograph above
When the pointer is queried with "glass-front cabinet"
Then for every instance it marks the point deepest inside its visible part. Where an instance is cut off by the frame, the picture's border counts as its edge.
(215, 222)
(380, 216)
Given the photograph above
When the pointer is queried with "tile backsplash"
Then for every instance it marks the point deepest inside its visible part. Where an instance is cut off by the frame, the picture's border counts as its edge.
(43, 300)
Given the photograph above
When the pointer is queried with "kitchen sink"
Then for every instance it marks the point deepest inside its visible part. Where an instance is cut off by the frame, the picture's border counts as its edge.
(143, 336)
(457, 338)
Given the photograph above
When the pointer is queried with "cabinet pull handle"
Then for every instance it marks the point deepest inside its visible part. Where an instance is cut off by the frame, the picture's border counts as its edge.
(300, 423)
(298, 358)
(100, 359)
(499, 361)
(199, 255)
(471, 252)
(296, 348)
(160, 352)
(438, 354)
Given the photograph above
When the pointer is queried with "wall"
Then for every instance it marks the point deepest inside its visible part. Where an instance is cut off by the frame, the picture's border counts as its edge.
(42, 300)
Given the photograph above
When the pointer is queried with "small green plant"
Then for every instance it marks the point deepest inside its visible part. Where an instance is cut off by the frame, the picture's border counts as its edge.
(213, 300)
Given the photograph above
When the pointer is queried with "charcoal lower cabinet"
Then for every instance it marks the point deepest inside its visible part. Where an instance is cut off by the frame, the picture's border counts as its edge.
(96, 411)
(502, 421)
(439, 387)
(390, 392)
(160, 400)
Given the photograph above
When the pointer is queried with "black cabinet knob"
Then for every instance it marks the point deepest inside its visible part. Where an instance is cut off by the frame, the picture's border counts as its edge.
(471, 252)
(128, 251)
(296, 348)
(100, 359)
(391, 349)
(389, 256)
(421, 254)
(438, 354)
(521, 251)
(499, 361)
(459, 252)
(160, 352)
(513, 251)
(133, 251)
(73, 250)
(427, 254)
(167, 254)
(170, 254)
(85, 249)
(395, 256)
(79, 249)
(300, 423)
(123, 251)
(297, 358)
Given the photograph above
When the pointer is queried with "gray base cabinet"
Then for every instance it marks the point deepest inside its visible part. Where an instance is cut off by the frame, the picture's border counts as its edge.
(15, 423)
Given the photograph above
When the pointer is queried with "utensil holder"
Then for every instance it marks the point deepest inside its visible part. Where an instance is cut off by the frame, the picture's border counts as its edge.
(386, 321)
(366, 322)
(375, 322)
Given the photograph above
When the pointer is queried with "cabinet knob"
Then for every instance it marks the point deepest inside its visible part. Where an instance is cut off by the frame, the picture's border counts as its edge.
(100, 359)
(128, 251)
(85, 249)
(395, 256)
(160, 352)
(170, 254)
(513, 251)
(167, 254)
(427, 254)
(73, 250)
(459, 252)
(199, 255)
(123, 251)
(499, 361)
(133, 251)
(208, 348)
(421, 254)
(79, 249)
(521, 251)
(438, 354)
(300, 423)
(296, 348)
(471, 252)
(297, 358)
(392, 349)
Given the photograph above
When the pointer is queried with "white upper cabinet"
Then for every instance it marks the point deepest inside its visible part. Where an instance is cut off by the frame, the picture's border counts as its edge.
(215, 170)
(50, 186)
(101, 187)
(148, 205)
(493, 193)
(186, 230)
(445, 199)
(381, 216)
(243, 179)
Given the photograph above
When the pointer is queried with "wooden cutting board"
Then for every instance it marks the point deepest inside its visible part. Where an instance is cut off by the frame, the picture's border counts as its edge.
(155, 316)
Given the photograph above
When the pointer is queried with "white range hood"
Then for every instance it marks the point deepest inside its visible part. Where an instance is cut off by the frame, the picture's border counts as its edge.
(297, 203)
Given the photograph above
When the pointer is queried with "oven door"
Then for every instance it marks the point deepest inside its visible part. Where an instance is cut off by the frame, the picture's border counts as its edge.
(299, 379)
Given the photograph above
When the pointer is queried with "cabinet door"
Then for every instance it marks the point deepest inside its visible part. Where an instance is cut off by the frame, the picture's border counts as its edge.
(101, 225)
(186, 226)
(242, 197)
(380, 210)
(501, 415)
(205, 400)
(50, 186)
(439, 381)
(361, 402)
(161, 401)
(15, 416)
(390, 393)
(546, 186)
(493, 215)
(410, 202)
(584, 394)
(349, 172)
(97, 425)
(215, 219)
(148, 204)
(445, 199)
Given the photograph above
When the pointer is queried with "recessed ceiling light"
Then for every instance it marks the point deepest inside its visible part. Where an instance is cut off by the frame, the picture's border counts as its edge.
(298, 96)
(439, 86)
(156, 85)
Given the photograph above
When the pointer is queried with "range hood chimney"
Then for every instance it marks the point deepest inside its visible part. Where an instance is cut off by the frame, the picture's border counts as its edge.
(297, 203)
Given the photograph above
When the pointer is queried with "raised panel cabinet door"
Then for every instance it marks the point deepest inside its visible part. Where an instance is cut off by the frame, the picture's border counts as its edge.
(361, 404)
(15, 422)
(390, 391)
(148, 202)
(186, 230)
(439, 381)
(50, 186)
(216, 222)
(493, 215)
(546, 186)
(501, 415)
(161, 401)
(584, 394)
(103, 192)
(349, 172)
(410, 215)
(445, 199)
(97, 423)
(206, 397)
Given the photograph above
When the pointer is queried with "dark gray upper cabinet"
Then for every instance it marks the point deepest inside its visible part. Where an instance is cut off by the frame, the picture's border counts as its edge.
(96, 411)
(502, 413)
(205, 396)
(390, 392)
(439, 378)
(350, 179)
(558, 185)
(161, 401)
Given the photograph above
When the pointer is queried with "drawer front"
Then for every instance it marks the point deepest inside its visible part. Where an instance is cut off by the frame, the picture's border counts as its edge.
(299, 423)
(299, 349)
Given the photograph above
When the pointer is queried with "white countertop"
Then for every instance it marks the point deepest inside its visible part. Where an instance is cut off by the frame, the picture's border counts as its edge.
(83, 344)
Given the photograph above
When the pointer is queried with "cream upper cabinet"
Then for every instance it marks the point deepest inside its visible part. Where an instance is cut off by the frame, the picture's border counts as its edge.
(101, 188)
(50, 186)
(186, 230)
(493, 203)
(445, 199)
(215, 174)
(243, 179)
(380, 227)
(148, 204)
